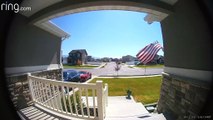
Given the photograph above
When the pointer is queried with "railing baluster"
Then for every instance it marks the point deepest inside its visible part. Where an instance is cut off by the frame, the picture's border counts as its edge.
(93, 96)
(37, 94)
(82, 111)
(50, 93)
(43, 92)
(88, 112)
(47, 94)
(74, 98)
(30, 82)
(65, 104)
(36, 91)
(42, 96)
(70, 104)
(54, 98)
(59, 98)
(39, 89)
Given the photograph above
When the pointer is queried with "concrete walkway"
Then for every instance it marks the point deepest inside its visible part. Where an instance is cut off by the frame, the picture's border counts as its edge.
(120, 108)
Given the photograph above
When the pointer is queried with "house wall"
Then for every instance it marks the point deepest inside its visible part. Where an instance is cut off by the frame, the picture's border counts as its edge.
(187, 38)
(84, 59)
(28, 45)
(29, 49)
(188, 62)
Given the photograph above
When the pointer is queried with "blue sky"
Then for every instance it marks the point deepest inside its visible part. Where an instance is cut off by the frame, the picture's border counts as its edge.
(108, 33)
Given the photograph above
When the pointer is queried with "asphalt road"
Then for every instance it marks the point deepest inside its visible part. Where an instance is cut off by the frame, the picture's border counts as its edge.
(125, 70)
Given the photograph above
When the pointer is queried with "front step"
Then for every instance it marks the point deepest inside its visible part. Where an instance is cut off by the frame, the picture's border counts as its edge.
(119, 108)
(155, 117)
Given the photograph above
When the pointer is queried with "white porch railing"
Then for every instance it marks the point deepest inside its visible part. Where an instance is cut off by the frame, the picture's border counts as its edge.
(86, 101)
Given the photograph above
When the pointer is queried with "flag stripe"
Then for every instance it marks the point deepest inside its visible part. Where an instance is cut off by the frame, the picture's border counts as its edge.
(143, 53)
(143, 50)
(151, 57)
(148, 53)
(151, 54)
(143, 57)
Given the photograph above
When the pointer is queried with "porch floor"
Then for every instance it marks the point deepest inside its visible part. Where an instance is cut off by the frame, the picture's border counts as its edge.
(119, 108)
(35, 113)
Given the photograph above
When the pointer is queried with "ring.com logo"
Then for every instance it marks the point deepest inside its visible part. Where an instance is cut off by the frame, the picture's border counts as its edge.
(13, 7)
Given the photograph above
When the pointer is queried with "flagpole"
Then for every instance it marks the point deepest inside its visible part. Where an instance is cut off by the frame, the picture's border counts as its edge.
(145, 69)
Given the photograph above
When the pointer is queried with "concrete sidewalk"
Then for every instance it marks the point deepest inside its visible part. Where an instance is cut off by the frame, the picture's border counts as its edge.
(100, 66)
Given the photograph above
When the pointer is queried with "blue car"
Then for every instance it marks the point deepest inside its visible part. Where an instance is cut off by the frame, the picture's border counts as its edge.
(71, 76)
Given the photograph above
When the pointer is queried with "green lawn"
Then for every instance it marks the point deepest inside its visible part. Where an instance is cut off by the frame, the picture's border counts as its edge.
(79, 66)
(150, 66)
(145, 90)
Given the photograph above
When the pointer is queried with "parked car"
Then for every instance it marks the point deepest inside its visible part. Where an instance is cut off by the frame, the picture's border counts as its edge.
(84, 76)
(71, 76)
(136, 62)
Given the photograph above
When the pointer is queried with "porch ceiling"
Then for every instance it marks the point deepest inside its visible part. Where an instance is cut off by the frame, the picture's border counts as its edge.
(38, 5)
(44, 10)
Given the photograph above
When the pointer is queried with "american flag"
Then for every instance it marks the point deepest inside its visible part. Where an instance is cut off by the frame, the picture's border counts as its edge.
(148, 53)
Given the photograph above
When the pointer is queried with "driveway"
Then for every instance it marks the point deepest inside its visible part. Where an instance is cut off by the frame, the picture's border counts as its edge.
(109, 70)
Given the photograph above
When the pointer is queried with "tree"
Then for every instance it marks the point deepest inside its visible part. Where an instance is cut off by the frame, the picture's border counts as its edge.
(117, 67)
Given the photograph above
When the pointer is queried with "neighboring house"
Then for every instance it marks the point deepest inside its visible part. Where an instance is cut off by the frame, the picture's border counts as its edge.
(64, 59)
(90, 59)
(158, 59)
(155, 60)
(128, 58)
(77, 57)
(105, 59)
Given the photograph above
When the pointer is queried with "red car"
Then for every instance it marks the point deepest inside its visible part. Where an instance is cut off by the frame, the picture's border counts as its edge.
(84, 75)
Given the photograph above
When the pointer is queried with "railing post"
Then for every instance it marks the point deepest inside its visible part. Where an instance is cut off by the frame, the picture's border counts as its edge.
(106, 85)
(30, 86)
(100, 100)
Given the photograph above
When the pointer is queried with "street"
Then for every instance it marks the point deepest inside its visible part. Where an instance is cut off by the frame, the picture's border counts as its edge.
(125, 70)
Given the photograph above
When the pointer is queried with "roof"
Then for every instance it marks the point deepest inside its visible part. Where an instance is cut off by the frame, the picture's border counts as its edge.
(54, 29)
(79, 50)
(37, 5)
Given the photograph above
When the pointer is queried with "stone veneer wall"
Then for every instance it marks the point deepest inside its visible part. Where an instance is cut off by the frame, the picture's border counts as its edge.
(51, 74)
(19, 89)
(182, 98)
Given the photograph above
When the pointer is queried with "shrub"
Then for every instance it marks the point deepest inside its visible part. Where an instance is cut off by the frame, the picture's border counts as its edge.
(78, 103)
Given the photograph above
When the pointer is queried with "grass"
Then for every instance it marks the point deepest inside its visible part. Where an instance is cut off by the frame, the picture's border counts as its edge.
(150, 66)
(79, 66)
(145, 90)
